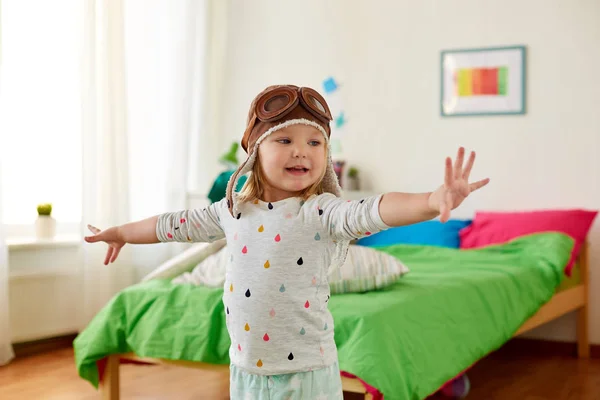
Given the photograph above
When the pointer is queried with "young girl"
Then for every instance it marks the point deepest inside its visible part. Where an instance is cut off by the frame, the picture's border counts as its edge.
(285, 229)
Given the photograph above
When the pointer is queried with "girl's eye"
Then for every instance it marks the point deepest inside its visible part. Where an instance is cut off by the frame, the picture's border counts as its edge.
(284, 141)
(314, 143)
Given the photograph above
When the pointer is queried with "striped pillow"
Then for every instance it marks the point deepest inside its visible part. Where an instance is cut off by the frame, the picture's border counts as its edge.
(365, 269)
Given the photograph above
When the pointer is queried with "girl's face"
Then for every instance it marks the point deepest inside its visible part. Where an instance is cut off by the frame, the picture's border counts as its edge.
(292, 159)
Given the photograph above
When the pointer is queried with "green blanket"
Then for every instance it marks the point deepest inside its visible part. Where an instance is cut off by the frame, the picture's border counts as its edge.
(454, 307)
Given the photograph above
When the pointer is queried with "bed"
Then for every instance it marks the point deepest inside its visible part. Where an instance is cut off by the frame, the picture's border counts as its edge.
(389, 340)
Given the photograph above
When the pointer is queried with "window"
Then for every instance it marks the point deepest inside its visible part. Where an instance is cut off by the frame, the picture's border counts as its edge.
(40, 109)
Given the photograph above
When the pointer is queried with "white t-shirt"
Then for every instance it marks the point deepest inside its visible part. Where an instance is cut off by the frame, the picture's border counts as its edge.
(276, 290)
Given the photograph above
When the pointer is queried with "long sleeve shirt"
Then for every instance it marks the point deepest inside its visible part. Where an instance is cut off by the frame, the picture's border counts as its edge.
(276, 291)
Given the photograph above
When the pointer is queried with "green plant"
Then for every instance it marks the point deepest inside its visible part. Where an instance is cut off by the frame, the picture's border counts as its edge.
(353, 172)
(230, 158)
(44, 209)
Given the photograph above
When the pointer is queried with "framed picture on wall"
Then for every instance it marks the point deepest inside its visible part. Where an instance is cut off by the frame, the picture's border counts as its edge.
(483, 81)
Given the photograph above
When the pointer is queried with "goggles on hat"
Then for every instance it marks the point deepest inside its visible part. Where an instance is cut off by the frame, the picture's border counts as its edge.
(276, 103)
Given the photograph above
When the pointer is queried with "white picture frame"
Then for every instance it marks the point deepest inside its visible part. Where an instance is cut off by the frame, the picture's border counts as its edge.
(483, 81)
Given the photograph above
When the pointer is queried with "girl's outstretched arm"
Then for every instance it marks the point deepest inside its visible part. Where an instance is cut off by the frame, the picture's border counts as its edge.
(408, 208)
(197, 225)
(398, 209)
(140, 232)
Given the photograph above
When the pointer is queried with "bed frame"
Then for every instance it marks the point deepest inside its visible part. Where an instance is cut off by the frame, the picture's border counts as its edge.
(575, 298)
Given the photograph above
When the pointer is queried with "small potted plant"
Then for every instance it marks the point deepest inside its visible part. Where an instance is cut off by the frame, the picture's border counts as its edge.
(352, 182)
(45, 225)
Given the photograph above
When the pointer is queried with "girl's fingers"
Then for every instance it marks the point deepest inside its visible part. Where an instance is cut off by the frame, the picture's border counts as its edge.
(112, 253)
(448, 173)
(109, 253)
(479, 184)
(467, 171)
(96, 237)
(458, 163)
(93, 239)
(115, 254)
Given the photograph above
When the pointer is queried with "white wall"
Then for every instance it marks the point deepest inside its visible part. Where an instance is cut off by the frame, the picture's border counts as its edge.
(386, 53)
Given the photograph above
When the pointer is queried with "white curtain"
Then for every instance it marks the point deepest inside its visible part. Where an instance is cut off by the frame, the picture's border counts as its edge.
(105, 149)
(145, 92)
(207, 143)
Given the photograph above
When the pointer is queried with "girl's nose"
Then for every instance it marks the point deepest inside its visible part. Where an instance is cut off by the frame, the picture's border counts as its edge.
(299, 151)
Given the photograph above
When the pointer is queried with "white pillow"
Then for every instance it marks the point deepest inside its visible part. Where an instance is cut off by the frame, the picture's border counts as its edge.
(185, 261)
(366, 269)
(208, 272)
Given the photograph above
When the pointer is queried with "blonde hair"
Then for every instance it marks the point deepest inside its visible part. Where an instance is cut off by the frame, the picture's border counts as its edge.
(253, 188)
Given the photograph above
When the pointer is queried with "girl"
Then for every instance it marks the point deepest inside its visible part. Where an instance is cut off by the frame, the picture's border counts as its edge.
(285, 229)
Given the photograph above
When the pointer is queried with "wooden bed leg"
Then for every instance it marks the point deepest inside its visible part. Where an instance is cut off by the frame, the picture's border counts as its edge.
(583, 341)
(110, 383)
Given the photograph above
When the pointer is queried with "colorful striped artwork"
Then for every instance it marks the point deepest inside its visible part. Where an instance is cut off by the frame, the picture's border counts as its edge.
(481, 81)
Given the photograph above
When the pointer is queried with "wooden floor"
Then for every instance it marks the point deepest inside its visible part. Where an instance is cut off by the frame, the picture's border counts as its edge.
(501, 376)
(505, 375)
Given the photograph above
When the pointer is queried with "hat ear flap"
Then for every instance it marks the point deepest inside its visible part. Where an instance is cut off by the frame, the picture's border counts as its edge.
(247, 132)
(233, 180)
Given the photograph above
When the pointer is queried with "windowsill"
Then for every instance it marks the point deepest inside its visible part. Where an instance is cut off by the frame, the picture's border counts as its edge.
(33, 243)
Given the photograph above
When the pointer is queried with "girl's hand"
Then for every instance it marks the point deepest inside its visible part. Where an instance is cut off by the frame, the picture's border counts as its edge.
(112, 237)
(456, 186)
